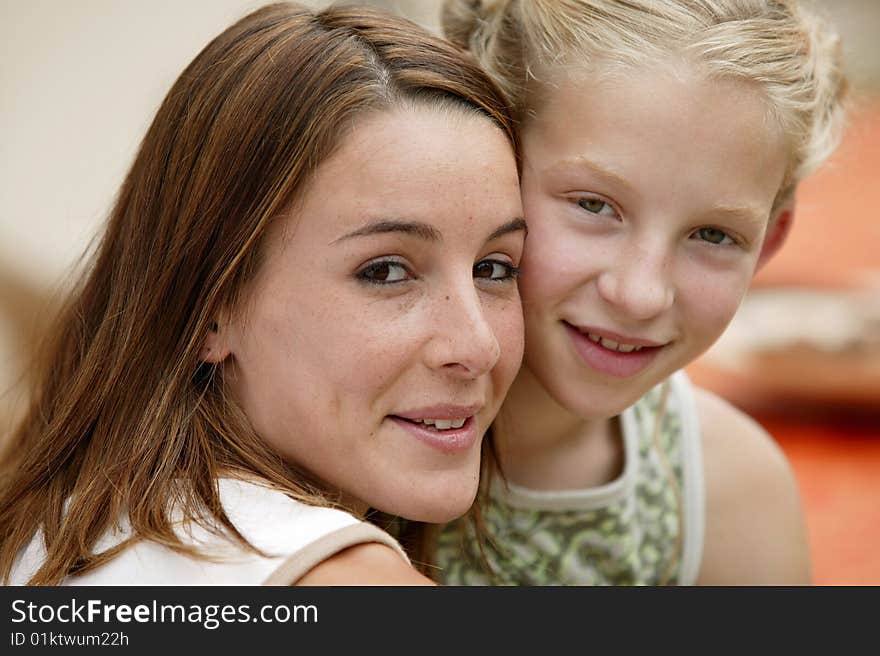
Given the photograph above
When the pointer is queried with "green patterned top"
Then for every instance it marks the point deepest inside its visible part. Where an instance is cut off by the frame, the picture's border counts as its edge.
(631, 531)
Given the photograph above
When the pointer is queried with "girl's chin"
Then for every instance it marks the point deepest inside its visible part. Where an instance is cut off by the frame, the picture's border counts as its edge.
(595, 396)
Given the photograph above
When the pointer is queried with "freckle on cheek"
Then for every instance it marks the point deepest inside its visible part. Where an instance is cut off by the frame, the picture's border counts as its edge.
(336, 405)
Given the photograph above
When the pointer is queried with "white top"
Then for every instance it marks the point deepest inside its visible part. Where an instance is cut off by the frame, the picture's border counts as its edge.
(295, 537)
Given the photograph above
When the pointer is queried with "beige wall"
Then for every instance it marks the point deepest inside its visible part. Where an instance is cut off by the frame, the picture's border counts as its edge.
(81, 80)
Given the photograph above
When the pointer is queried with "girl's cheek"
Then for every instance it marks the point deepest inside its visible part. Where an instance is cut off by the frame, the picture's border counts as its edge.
(711, 304)
(553, 264)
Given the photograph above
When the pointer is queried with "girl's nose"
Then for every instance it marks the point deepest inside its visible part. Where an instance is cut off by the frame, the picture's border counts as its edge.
(638, 285)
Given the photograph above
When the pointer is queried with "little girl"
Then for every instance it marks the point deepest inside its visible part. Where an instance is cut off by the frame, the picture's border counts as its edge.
(290, 320)
(662, 144)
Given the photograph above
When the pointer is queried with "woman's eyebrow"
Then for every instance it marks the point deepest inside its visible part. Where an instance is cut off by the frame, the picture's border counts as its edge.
(421, 230)
(511, 226)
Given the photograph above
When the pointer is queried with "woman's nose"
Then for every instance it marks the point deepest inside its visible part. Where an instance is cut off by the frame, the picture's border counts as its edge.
(463, 341)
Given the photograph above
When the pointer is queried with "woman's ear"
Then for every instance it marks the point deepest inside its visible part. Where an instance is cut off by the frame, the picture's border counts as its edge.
(777, 231)
(216, 346)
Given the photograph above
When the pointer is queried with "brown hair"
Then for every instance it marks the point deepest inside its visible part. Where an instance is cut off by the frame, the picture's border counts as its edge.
(124, 418)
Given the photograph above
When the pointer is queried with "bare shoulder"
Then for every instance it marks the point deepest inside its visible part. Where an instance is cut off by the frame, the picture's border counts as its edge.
(370, 563)
(755, 532)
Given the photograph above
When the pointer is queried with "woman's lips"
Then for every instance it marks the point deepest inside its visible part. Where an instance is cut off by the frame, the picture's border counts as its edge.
(448, 440)
(611, 361)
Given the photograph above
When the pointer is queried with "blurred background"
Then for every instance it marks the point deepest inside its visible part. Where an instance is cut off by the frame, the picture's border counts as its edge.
(81, 80)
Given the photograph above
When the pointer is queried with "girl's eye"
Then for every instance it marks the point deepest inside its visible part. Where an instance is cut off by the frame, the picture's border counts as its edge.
(597, 206)
(384, 272)
(495, 270)
(713, 236)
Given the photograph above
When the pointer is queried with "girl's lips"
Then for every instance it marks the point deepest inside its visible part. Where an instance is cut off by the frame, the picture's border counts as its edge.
(450, 440)
(615, 337)
(609, 361)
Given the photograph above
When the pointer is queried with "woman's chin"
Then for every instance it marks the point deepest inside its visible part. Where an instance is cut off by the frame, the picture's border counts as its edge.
(435, 510)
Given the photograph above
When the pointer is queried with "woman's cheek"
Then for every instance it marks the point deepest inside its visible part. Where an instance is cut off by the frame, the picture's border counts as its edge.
(508, 327)
(374, 338)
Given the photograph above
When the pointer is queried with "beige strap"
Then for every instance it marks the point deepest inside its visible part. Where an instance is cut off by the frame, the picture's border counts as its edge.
(296, 566)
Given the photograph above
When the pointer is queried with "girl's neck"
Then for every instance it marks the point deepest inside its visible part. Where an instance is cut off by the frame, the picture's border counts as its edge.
(543, 445)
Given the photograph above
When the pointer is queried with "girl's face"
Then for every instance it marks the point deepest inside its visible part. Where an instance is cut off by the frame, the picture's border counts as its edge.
(648, 195)
(384, 327)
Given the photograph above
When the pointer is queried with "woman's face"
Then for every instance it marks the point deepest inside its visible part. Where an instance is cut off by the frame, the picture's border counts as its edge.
(384, 327)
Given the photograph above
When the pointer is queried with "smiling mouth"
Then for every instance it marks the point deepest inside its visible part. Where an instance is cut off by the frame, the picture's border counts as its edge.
(448, 435)
(438, 425)
(605, 354)
(612, 345)
(618, 345)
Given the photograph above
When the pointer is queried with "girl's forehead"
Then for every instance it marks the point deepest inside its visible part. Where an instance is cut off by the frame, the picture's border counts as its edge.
(674, 76)
(659, 129)
(609, 71)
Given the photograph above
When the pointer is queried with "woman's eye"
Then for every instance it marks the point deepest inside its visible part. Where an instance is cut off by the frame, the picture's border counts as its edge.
(384, 272)
(597, 206)
(495, 270)
(713, 236)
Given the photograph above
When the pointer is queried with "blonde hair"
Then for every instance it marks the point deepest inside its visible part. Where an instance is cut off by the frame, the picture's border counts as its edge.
(786, 51)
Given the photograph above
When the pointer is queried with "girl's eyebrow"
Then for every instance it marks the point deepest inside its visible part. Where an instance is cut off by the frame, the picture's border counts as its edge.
(582, 162)
(421, 230)
(749, 214)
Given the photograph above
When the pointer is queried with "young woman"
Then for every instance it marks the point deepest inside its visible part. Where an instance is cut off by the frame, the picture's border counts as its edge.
(303, 307)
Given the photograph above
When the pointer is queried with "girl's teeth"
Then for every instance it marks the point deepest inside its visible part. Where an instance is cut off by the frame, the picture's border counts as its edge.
(612, 345)
(607, 343)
